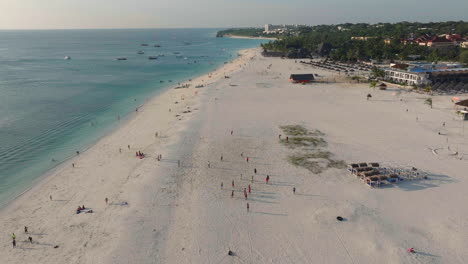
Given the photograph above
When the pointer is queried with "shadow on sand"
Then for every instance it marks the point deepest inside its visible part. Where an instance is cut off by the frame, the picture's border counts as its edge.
(273, 214)
(433, 180)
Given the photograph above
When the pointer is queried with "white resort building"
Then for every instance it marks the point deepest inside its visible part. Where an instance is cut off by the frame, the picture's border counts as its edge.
(408, 78)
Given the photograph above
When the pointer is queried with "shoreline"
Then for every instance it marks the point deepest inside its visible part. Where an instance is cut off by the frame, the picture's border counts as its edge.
(84, 179)
(245, 37)
(124, 121)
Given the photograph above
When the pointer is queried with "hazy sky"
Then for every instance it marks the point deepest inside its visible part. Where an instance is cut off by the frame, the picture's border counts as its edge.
(47, 14)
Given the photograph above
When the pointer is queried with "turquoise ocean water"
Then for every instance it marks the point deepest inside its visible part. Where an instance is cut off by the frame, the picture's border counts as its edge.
(50, 107)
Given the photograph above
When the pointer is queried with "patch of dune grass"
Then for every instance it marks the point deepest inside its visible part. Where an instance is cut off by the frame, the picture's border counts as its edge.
(294, 130)
(316, 162)
(294, 142)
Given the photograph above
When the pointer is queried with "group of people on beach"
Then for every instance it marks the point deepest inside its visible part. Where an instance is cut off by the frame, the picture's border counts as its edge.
(84, 209)
(247, 190)
(13, 236)
(140, 154)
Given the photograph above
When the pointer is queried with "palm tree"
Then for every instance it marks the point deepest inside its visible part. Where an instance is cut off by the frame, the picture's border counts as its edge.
(373, 84)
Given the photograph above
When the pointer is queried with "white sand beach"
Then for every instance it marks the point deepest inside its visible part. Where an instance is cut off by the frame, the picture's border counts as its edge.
(175, 211)
(246, 37)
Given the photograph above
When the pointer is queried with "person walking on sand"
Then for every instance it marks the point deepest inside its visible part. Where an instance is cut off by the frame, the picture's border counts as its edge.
(232, 183)
(232, 131)
(30, 239)
(248, 207)
(73, 165)
(209, 165)
(221, 185)
(26, 229)
(106, 200)
(294, 190)
(120, 150)
(247, 159)
(50, 197)
(232, 193)
(14, 243)
(250, 189)
(255, 171)
(242, 154)
(128, 146)
(221, 158)
(267, 178)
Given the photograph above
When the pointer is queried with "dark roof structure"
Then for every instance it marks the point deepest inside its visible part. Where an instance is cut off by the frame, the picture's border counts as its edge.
(463, 103)
(301, 77)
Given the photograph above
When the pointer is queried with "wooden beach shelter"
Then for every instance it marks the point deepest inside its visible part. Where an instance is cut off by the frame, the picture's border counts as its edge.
(462, 103)
(382, 86)
(301, 78)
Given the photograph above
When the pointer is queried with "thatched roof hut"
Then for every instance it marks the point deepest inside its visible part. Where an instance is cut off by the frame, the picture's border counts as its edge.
(463, 103)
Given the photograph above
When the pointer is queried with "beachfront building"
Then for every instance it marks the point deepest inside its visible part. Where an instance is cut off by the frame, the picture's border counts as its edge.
(406, 77)
(421, 74)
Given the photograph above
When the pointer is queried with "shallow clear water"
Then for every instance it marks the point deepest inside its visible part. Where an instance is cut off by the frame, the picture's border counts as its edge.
(50, 107)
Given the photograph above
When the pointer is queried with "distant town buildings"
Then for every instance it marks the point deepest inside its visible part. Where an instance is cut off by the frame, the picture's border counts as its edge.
(464, 44)
(279, 29)
(362, 38)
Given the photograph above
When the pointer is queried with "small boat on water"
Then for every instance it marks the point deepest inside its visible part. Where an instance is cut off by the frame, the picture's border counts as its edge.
(144, 45)
(157, 46)
(67, 58)
(176, 52)
(140, 52)
(121, 58)
(152, 58)
(161, 55)
(187, 43)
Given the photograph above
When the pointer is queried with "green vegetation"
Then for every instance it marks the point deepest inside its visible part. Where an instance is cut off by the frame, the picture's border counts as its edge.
(464, 57)
(316, 162)
(244, 32)
(384, 41)
(377, 72)
(298, 130)
(294, 142)
(312, 156)
(373, 84)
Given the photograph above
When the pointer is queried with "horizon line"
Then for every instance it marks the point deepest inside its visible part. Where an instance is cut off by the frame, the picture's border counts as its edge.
(228, 27)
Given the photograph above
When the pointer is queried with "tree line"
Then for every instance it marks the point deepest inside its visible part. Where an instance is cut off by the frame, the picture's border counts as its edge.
(384, 41)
